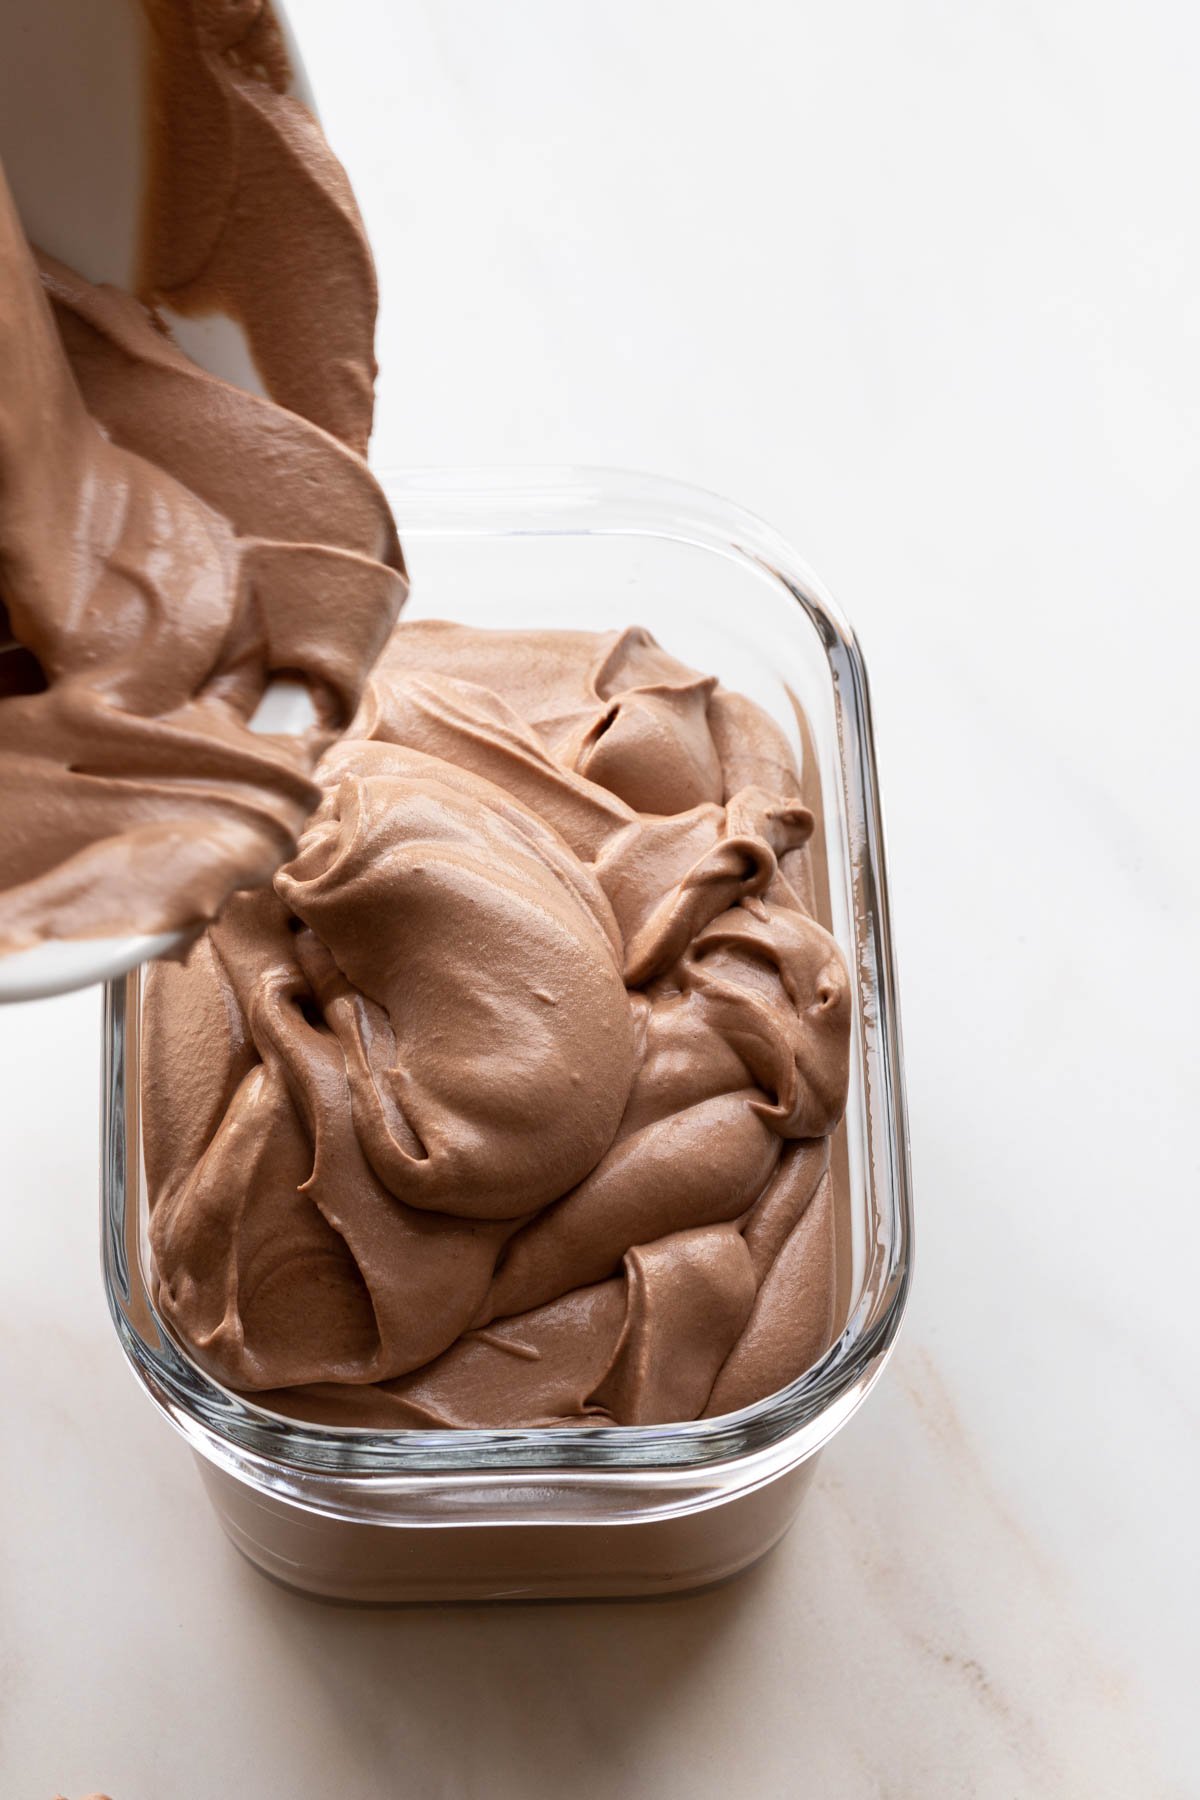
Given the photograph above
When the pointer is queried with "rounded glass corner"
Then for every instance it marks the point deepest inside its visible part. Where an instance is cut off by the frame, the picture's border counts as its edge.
(786, 1427)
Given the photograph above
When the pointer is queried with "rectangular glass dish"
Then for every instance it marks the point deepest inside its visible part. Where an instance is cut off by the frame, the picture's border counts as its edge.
(390, 1516)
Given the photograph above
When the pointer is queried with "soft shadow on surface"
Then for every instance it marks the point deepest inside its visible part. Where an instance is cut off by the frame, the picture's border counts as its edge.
(515, 1698)
(908, 1637)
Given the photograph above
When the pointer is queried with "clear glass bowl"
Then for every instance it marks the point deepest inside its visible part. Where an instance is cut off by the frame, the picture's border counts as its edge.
(391, 1516)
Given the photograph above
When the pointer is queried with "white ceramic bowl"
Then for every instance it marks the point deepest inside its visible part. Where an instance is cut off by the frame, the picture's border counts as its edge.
(72, 139)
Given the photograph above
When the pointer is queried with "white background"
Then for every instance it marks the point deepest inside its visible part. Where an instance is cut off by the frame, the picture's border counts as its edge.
(921, 285)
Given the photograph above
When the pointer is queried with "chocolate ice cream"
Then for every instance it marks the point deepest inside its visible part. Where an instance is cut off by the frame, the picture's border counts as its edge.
(168, 541)
(508, 1104)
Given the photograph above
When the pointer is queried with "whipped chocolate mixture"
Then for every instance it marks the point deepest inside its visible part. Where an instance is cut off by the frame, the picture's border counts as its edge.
(249, 213)
(167, 541)
(508, 1103)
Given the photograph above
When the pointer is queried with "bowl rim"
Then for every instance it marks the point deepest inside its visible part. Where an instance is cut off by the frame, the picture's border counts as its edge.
(282, 1454)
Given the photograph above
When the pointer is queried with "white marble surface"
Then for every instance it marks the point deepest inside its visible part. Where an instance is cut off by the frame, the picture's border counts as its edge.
(918, 284)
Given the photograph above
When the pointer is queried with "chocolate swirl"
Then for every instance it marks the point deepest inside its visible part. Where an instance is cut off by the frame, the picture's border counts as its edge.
(509, 1103)
(249, 213)
(168, 541)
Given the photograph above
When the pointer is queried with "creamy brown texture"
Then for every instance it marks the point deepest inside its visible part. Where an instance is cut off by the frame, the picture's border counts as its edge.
(167, 542)
(509, 1103)
(249, 213)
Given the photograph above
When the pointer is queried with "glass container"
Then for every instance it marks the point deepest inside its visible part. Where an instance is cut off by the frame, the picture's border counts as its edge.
(405, 1515)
